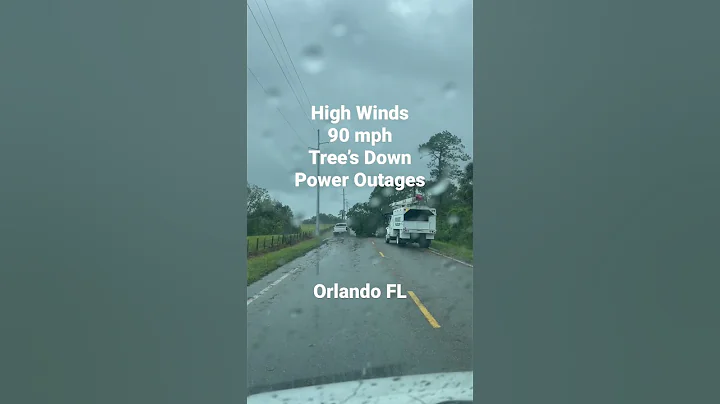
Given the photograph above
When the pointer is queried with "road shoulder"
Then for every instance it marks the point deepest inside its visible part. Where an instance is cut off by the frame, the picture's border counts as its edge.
(457, 253)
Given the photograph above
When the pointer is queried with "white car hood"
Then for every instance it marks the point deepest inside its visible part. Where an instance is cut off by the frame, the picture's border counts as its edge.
(433, 388)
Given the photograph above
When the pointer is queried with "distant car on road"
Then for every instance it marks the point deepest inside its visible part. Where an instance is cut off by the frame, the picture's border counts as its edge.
(340, 228)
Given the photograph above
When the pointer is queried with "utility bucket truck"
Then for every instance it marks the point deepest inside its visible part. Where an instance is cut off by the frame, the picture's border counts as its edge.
(411, 221)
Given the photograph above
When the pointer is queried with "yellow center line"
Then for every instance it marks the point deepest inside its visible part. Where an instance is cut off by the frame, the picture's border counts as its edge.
(381, 254)
(424, 310)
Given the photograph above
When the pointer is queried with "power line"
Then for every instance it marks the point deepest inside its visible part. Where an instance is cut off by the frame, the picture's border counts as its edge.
(288, 53)
(278, 62)
(267, 25)
(278, 109)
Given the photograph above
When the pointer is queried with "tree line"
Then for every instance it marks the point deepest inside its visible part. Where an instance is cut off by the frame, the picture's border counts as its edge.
(266, 216)
(325, 218)
(449, 189)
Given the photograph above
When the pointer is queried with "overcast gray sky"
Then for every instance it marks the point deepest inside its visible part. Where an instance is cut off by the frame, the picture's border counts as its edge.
(414, 53)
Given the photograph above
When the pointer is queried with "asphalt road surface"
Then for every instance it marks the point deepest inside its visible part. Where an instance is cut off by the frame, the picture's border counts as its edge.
(296, 339)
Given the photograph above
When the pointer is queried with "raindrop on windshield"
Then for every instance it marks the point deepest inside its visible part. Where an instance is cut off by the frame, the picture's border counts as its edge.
(453, 219)
(297, 153)
(358, 38)
(387, 192)
(267, 134)
(375, 201)
(450, 90)
(295, 313)
(424, 150)
(273, 97)
(440, 187)
(313, 59)
(297, 220)
(338, 29)
(294, 170)
(328, 125)
(450, 266)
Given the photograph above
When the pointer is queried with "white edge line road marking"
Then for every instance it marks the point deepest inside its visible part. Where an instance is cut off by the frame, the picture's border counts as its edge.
(268, 287)
(450, 258)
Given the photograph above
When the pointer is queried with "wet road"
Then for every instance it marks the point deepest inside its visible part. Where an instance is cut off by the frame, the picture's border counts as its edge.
(296, 339)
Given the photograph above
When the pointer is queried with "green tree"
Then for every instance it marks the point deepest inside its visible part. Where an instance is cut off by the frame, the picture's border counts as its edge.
(365, 219)
(445, 151)
(267, 216)
(456, 225)
(256, 197)
(465, 190)
(324, 219)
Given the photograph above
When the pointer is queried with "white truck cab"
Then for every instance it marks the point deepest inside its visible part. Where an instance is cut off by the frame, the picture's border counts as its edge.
(411, 221)
(340, 228)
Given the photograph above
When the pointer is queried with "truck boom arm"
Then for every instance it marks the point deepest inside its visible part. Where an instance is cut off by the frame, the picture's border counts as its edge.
(406, 202)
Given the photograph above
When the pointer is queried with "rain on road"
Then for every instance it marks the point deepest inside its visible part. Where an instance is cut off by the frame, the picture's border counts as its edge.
(296, 339)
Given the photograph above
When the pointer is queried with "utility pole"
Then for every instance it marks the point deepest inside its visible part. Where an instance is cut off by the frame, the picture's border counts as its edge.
(317, 206)
(343, 209)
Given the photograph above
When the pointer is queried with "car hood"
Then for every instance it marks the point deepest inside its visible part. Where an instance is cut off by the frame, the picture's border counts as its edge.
(436, 388)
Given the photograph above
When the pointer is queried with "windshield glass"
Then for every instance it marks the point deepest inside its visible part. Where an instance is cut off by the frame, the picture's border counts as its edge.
(391, 294)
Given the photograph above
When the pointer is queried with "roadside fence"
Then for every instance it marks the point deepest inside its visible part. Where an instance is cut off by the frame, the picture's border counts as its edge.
(258, 245)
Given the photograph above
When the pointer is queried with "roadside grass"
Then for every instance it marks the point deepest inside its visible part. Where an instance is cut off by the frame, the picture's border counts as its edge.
(264, 264)
(272, 242)
(451, 250)
(458, 252)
